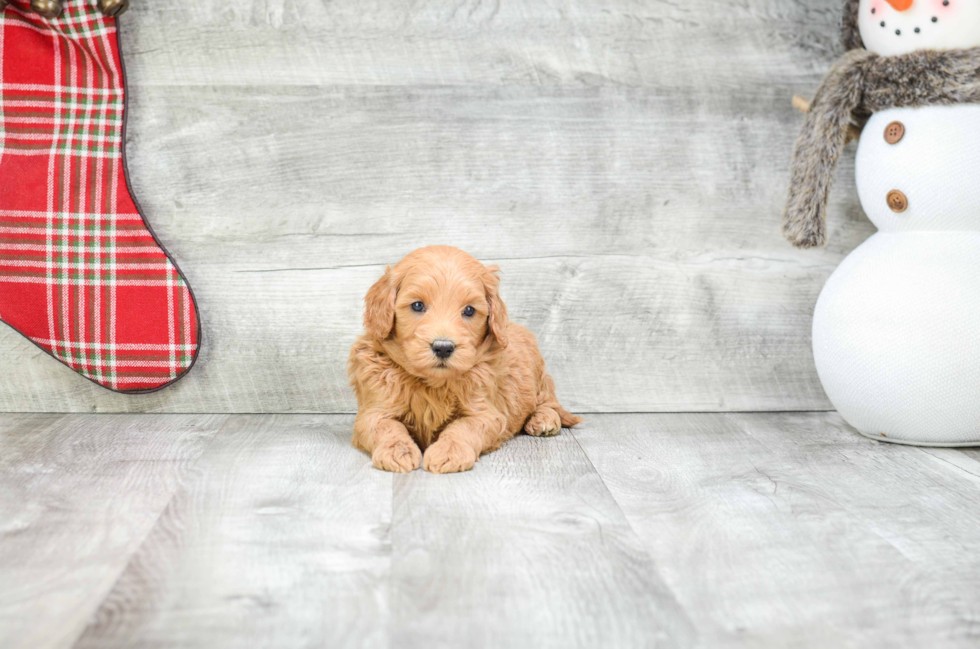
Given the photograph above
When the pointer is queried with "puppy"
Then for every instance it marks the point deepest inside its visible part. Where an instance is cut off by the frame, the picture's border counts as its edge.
(441, 369)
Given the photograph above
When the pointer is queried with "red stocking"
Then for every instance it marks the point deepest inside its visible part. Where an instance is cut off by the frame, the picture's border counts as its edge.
(81, 274)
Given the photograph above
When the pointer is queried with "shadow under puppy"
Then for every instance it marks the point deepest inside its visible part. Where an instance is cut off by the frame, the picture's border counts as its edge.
(441, 369)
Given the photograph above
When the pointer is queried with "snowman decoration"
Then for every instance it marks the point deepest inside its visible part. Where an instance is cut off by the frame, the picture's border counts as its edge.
(896, 330)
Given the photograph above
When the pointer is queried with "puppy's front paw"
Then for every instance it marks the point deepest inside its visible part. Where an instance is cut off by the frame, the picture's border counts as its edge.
(398, 456)
(543, 423)
(448, 456)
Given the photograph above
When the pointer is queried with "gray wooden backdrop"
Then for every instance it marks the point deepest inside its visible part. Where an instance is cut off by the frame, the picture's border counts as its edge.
(625, 162)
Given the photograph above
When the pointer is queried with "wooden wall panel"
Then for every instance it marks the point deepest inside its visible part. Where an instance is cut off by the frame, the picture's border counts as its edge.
(624, 162)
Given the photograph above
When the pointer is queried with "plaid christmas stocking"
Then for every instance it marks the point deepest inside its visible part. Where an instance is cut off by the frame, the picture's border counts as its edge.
(81, 274)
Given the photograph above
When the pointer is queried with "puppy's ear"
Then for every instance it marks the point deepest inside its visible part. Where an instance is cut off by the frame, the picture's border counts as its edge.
(497, 320)
(379, 306)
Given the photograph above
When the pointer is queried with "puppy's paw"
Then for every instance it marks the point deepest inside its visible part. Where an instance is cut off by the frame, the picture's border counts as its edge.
(448, 456)
(543, 423)
(398, 456)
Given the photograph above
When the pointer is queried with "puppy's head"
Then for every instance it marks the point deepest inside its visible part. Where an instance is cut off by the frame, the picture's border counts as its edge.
(438, 311)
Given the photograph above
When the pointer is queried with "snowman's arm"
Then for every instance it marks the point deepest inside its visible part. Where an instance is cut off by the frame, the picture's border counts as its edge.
(802, 104)
(825, 131)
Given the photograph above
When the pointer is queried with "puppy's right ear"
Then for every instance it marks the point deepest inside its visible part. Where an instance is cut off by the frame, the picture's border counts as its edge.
(497, 320)
(379, 306)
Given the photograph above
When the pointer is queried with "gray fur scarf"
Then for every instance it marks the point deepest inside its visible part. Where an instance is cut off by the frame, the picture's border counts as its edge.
(860, 84)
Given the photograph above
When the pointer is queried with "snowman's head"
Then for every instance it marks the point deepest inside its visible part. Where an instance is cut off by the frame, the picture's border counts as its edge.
(891, 27)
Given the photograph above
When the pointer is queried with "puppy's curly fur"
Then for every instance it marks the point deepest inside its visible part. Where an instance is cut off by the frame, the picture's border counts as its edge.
(410, 400)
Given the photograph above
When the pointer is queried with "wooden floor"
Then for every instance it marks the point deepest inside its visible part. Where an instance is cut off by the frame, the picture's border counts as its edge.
(670, 530)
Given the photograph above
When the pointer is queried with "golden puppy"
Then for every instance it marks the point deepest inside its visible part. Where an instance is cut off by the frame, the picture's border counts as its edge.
(441, 369)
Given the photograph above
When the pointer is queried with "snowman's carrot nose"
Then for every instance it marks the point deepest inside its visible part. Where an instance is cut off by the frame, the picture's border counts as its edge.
(901, 5)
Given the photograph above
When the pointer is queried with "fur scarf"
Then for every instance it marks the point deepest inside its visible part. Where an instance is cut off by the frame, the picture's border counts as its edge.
(860, 84)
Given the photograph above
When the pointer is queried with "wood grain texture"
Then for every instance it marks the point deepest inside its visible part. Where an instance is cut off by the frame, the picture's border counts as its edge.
(77, 497)
(625, 163)
(469, 42)
(527, 550)
(287, 537)
(693, 530)
(279, 540)
(793, 530)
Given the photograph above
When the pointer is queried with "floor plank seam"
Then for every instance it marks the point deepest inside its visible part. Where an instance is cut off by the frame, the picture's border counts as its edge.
(619, 508)
(953, 467)
(149, 531)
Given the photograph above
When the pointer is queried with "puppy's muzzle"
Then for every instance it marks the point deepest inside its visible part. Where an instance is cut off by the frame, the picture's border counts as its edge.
(443, 348)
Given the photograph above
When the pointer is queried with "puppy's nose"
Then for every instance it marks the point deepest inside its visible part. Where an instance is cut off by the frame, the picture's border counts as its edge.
(443, 348)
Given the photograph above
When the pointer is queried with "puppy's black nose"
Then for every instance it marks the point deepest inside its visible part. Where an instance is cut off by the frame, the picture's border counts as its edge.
(443, 348)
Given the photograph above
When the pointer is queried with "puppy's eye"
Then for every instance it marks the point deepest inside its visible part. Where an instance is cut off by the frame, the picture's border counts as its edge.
(469, 311)
(418, 307)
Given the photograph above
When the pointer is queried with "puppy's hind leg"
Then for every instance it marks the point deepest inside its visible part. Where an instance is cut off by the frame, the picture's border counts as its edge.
(544, 422)
(549, 417)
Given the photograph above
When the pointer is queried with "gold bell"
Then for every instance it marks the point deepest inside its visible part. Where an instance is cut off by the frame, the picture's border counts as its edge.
(113, 8)
(47, 8)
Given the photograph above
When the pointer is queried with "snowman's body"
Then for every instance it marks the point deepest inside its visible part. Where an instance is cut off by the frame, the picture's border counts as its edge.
(896, 331)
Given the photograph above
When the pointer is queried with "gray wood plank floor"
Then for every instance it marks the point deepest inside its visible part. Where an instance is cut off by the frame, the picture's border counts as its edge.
(625, 162)
(685, 530)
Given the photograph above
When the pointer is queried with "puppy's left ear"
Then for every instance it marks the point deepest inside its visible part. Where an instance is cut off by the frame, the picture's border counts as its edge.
(497, 320)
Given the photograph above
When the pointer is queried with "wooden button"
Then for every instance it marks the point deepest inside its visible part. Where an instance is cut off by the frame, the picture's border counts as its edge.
(894, 132)
(897, 201)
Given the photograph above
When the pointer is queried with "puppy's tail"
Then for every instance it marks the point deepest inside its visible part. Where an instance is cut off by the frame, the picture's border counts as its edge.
(568, 419)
